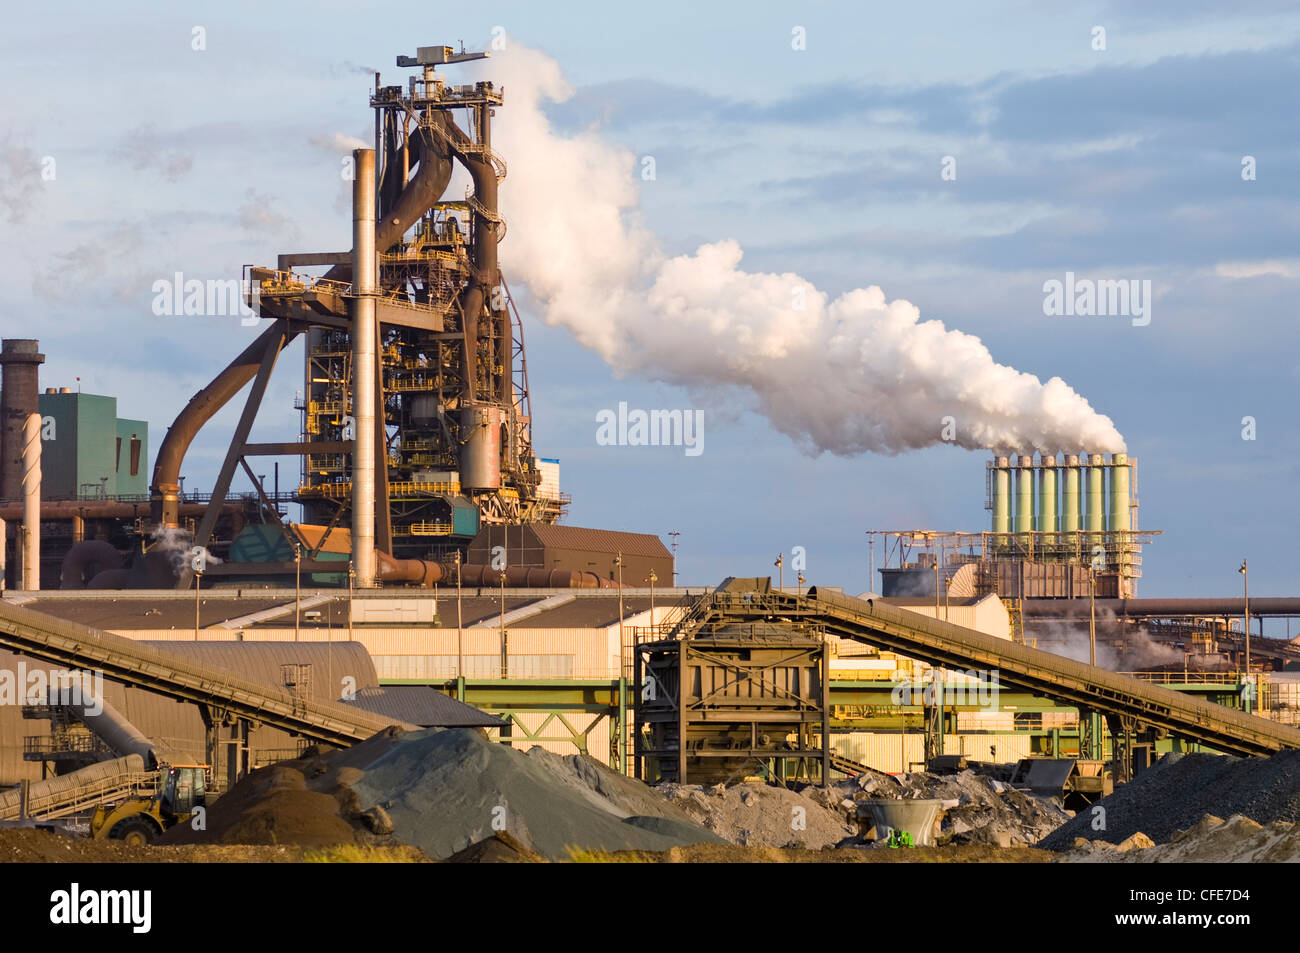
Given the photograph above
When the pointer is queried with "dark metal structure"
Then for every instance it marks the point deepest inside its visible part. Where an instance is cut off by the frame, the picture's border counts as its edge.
(1135, 711)
(733, 699)
(453, 445)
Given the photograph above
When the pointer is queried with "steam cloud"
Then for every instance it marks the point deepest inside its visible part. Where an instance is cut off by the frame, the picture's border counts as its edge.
(847, 375)
(1120, 648)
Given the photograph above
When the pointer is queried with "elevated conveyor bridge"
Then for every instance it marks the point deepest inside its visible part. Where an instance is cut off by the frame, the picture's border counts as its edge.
(1130, 705)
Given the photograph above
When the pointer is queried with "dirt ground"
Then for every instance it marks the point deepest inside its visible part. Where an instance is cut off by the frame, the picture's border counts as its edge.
(732, 854)
(43, 847)
(34, 846)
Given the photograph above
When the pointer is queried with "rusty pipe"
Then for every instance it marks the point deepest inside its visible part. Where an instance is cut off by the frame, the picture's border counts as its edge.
(424, 189)
(414, 571)
(165, 491)
(86, 560)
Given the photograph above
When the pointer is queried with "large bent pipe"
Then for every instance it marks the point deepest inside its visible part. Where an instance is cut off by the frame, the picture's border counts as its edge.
(424, 189)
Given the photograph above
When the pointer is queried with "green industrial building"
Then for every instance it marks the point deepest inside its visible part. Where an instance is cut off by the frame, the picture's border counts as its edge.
(88, 451)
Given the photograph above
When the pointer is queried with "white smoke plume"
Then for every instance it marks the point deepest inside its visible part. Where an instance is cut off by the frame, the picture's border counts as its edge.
(1120, 648)
(847, 375)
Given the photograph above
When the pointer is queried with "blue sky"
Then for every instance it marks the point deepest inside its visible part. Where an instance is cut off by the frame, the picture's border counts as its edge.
(824, 161)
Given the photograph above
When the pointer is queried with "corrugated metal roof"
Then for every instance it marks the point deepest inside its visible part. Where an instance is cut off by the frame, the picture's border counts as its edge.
(176, 727)
(904, 602)
(423, 706)
(590, 612)
(600, 540)
(329, 661)
(167, 614)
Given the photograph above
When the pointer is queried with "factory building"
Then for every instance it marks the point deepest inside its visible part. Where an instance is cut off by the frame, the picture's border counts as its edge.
(87, 451)
(552, 546)
(1056, 520)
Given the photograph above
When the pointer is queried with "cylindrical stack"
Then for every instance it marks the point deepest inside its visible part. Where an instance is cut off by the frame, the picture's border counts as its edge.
(1047, 495)
(32, 503)
(1001, 495)
(1096, 512)
(1120, 518)
(1070, 494)
(21, 360)
(365, 338)
(1025, 495)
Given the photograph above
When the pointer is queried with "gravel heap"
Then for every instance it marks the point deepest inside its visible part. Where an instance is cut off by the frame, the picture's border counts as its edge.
(443, 791)
(1175, 793)
(976, 809)
(1238, 840)
(762, 815)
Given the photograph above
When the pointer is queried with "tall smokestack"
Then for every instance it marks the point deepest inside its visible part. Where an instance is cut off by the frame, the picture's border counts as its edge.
(32, 502)
(1096, 514)
(1119, 493)
(1025, 495)
(1047, 495)
(20, 358)
(1070, 495)
(365, 338)
(1001, 495)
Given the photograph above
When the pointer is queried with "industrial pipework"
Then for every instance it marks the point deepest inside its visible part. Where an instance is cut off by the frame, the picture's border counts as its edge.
(365, 340)
(1082, 513)
(415, 399)
(1070, 494)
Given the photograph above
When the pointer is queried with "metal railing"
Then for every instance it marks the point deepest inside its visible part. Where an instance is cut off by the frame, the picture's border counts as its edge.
(1187, 678)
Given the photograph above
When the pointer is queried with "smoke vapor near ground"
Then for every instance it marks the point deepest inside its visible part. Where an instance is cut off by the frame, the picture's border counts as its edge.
(846, 375)
(1120, 648)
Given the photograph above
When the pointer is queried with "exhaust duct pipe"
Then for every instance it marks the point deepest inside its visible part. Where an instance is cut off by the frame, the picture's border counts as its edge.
(1096, 513)
(1025, 495)
(1047, 495)
(1070, 494)
(1001, 495)
(365, 341)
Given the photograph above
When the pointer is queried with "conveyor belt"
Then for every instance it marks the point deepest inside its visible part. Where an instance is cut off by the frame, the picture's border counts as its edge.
(78, 792)
(953, 646)
(74, 646)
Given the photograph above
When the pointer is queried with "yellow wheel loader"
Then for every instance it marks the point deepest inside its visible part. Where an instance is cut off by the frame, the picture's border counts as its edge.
(140, 820)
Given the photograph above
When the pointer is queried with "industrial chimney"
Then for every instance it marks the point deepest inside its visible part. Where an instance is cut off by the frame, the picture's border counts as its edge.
(365, 343)
(20, 358)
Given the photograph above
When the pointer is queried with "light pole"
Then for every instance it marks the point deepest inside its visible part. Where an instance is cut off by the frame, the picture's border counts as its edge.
(622, 645)
(936, 590)
(871, 561)
(352, 574)
(674, 534)
(780, 565)
(801, 582)
(652, 579)
(297, 586)
(198, 579)
(460, 644)
(1245, 594)
(504, 651)
(1092, 616)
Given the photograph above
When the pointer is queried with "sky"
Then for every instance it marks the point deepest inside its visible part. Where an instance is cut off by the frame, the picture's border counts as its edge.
(813, 136)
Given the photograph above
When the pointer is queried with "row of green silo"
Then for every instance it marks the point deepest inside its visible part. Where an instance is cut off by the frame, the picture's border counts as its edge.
(1085, 493)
